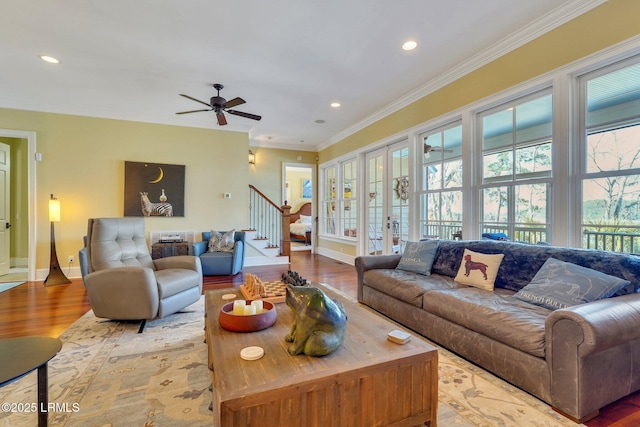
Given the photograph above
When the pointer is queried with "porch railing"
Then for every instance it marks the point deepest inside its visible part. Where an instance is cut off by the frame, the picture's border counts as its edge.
(612, 241)
(270, 221)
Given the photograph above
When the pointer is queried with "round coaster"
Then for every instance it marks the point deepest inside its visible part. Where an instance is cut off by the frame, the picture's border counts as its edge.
(228, 297)
(252, 353)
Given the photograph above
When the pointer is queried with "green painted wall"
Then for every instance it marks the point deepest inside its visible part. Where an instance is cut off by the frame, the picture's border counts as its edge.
(83, 165)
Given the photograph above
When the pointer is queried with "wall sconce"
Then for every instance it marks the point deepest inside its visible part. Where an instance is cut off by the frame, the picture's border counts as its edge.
(252, 158)
(56, 275)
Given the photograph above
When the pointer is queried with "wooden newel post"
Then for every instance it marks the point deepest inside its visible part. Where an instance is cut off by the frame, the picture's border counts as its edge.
(285, 247)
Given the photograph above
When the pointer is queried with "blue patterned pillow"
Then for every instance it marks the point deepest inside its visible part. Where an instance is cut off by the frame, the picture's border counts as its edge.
(418, 256)
(222, 242)
(560, 284)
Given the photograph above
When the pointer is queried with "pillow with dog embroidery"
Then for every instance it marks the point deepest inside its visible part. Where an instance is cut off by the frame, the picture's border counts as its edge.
(418, 256)
(560, 284)
(479, 270)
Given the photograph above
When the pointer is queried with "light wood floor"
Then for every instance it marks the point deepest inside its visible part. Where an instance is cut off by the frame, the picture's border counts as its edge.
(32, 309)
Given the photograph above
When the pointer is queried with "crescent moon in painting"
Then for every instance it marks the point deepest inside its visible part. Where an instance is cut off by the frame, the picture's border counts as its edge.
(159, 178)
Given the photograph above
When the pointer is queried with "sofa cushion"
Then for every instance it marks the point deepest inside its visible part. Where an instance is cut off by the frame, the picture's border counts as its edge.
(522, 261)
(404, 285)
(560, 284)
(172, 281)
(478, 269)
(497, 315)
(418, 256)
(222, 241)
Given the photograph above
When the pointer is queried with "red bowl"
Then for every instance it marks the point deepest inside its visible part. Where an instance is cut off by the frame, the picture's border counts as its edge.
(247, 323)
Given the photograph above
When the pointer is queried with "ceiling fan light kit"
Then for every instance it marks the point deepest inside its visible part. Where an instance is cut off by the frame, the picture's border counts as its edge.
(219, 105)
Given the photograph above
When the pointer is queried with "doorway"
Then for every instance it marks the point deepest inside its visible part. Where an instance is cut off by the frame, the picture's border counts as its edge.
(22, 203)
(387, 179)
(299, 188)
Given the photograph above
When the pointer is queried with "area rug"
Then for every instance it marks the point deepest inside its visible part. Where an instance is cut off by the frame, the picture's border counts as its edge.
(109, 375)
(9, 285)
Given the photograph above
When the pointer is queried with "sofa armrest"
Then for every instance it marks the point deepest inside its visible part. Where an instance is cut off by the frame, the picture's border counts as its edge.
(186, 262)
(371, 262)
(200, 247)
(591, 350)
(123, 293)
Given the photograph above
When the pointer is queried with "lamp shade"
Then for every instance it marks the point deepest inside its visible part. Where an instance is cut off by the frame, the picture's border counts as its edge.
(54, 210)
(252, 158)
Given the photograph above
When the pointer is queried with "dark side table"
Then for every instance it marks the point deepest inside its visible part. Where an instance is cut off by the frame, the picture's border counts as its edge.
(19, 356)
(163, 250)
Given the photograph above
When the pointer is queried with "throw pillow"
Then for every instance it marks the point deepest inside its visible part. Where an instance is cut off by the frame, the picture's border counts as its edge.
(220, 242)
(418, 256)
(560, 284)
(305, 219)
(479, 270)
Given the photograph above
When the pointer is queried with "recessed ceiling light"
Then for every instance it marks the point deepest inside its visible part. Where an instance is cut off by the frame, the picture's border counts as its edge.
(335, 104)
(49, 59)
(409, 45)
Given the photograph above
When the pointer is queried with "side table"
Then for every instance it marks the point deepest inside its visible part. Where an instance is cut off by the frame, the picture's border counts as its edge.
(19, 356)
(163, 250)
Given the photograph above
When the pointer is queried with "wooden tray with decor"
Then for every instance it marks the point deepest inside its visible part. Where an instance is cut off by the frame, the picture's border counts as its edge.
(275, 292)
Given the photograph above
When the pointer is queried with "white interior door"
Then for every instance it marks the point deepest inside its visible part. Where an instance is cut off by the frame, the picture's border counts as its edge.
(387, 178)
(5, 194)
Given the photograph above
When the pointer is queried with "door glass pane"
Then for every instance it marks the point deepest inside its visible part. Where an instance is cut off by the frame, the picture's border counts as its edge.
(376, 209)
(349, 205)
(400, 198)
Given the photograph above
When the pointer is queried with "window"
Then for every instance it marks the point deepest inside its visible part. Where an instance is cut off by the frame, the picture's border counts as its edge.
(516, 169)
(610, 129)
(339, 199)
(441, 184)
(349, 197)
(328, 202)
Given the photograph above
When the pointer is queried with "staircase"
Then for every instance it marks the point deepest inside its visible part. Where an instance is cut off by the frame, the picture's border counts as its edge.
(268, 254)
(268, 232)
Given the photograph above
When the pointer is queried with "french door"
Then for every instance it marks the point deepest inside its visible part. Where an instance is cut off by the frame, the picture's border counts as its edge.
(387, 201)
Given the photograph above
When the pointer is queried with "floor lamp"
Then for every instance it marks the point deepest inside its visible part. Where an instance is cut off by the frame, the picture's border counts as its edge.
(56, 276)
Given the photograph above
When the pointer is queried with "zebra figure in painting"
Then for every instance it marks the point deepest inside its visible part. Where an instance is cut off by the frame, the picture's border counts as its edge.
(154, 209)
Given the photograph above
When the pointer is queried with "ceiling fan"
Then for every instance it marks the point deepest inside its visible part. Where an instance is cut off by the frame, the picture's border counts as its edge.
(429, 148)
(219, 105)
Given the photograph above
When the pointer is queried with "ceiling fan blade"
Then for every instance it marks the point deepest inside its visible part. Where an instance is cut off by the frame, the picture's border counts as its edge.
(222, 120)
(234, 102)
(197, 100)
(193, 111)
(241, 114)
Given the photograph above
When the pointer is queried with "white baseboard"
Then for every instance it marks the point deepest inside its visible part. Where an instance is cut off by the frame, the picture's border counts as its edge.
(339, 256)
(252, 261)
(71, 273)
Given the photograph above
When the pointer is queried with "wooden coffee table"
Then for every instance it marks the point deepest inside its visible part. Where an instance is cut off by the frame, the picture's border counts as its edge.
(368, 381)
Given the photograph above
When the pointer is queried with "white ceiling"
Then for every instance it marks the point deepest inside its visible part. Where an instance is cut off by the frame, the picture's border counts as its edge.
(129, 59)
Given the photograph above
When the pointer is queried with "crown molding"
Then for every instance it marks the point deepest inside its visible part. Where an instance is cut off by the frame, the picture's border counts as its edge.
(281, 146)
(561, 15)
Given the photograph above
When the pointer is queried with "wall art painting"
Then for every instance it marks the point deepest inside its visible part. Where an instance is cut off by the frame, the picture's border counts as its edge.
(307, 190)
(153, 189)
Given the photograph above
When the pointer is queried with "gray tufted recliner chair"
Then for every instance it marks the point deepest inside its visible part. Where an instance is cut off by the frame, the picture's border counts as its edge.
(124, 283)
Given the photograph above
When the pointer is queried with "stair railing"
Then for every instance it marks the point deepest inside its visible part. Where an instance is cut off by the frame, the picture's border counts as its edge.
(270, 221)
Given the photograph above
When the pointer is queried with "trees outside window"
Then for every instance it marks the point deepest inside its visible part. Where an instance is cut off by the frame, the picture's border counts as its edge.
(441, 210)
(610, 125)
(515, 192)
